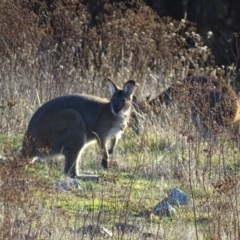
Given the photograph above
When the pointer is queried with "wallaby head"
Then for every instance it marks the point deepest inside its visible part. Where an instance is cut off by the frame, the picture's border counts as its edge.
(163, 98)
(67, 124)
(121, 100)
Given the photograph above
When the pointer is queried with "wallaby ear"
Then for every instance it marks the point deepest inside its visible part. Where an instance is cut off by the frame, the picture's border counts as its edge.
(113, 86)
(129, 88)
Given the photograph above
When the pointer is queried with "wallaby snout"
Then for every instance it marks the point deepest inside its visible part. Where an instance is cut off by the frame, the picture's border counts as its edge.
(65, 125)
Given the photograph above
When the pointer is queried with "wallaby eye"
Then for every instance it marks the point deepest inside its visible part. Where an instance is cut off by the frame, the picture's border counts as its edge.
(119, 105)
(117, 108)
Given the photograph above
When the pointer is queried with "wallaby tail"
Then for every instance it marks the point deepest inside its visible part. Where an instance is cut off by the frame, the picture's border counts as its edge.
(26, 149)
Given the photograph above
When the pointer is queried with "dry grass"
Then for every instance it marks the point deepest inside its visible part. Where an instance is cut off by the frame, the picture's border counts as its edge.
(51, 50)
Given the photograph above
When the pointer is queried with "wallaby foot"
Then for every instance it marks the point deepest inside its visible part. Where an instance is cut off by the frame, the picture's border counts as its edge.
(70, 167)
(104, 163)
(110, 151)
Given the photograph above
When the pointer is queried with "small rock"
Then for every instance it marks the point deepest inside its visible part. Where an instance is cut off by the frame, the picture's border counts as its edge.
(88, 176)
(67, 184)
(94, 230)
(126, 228)
(45, 234)
(69, 230)
(164, 209)
(18, 223)
(17, 152)
(24, 237)
(39, 160)
(171, 201)
(86, 172)
(179, 195)
(51, 160)
(2, 160)
(84, 177)
(148, 235)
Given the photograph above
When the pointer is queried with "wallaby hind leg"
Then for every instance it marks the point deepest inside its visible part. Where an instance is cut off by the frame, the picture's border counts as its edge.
(71, 150)
(67, 135)
(74, 135)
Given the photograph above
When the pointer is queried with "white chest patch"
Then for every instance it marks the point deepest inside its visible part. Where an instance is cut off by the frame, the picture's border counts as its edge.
(118, 127)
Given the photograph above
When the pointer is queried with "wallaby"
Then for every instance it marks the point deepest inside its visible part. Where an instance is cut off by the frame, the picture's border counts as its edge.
(67, 124)
(136, 113)
(209, 100)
